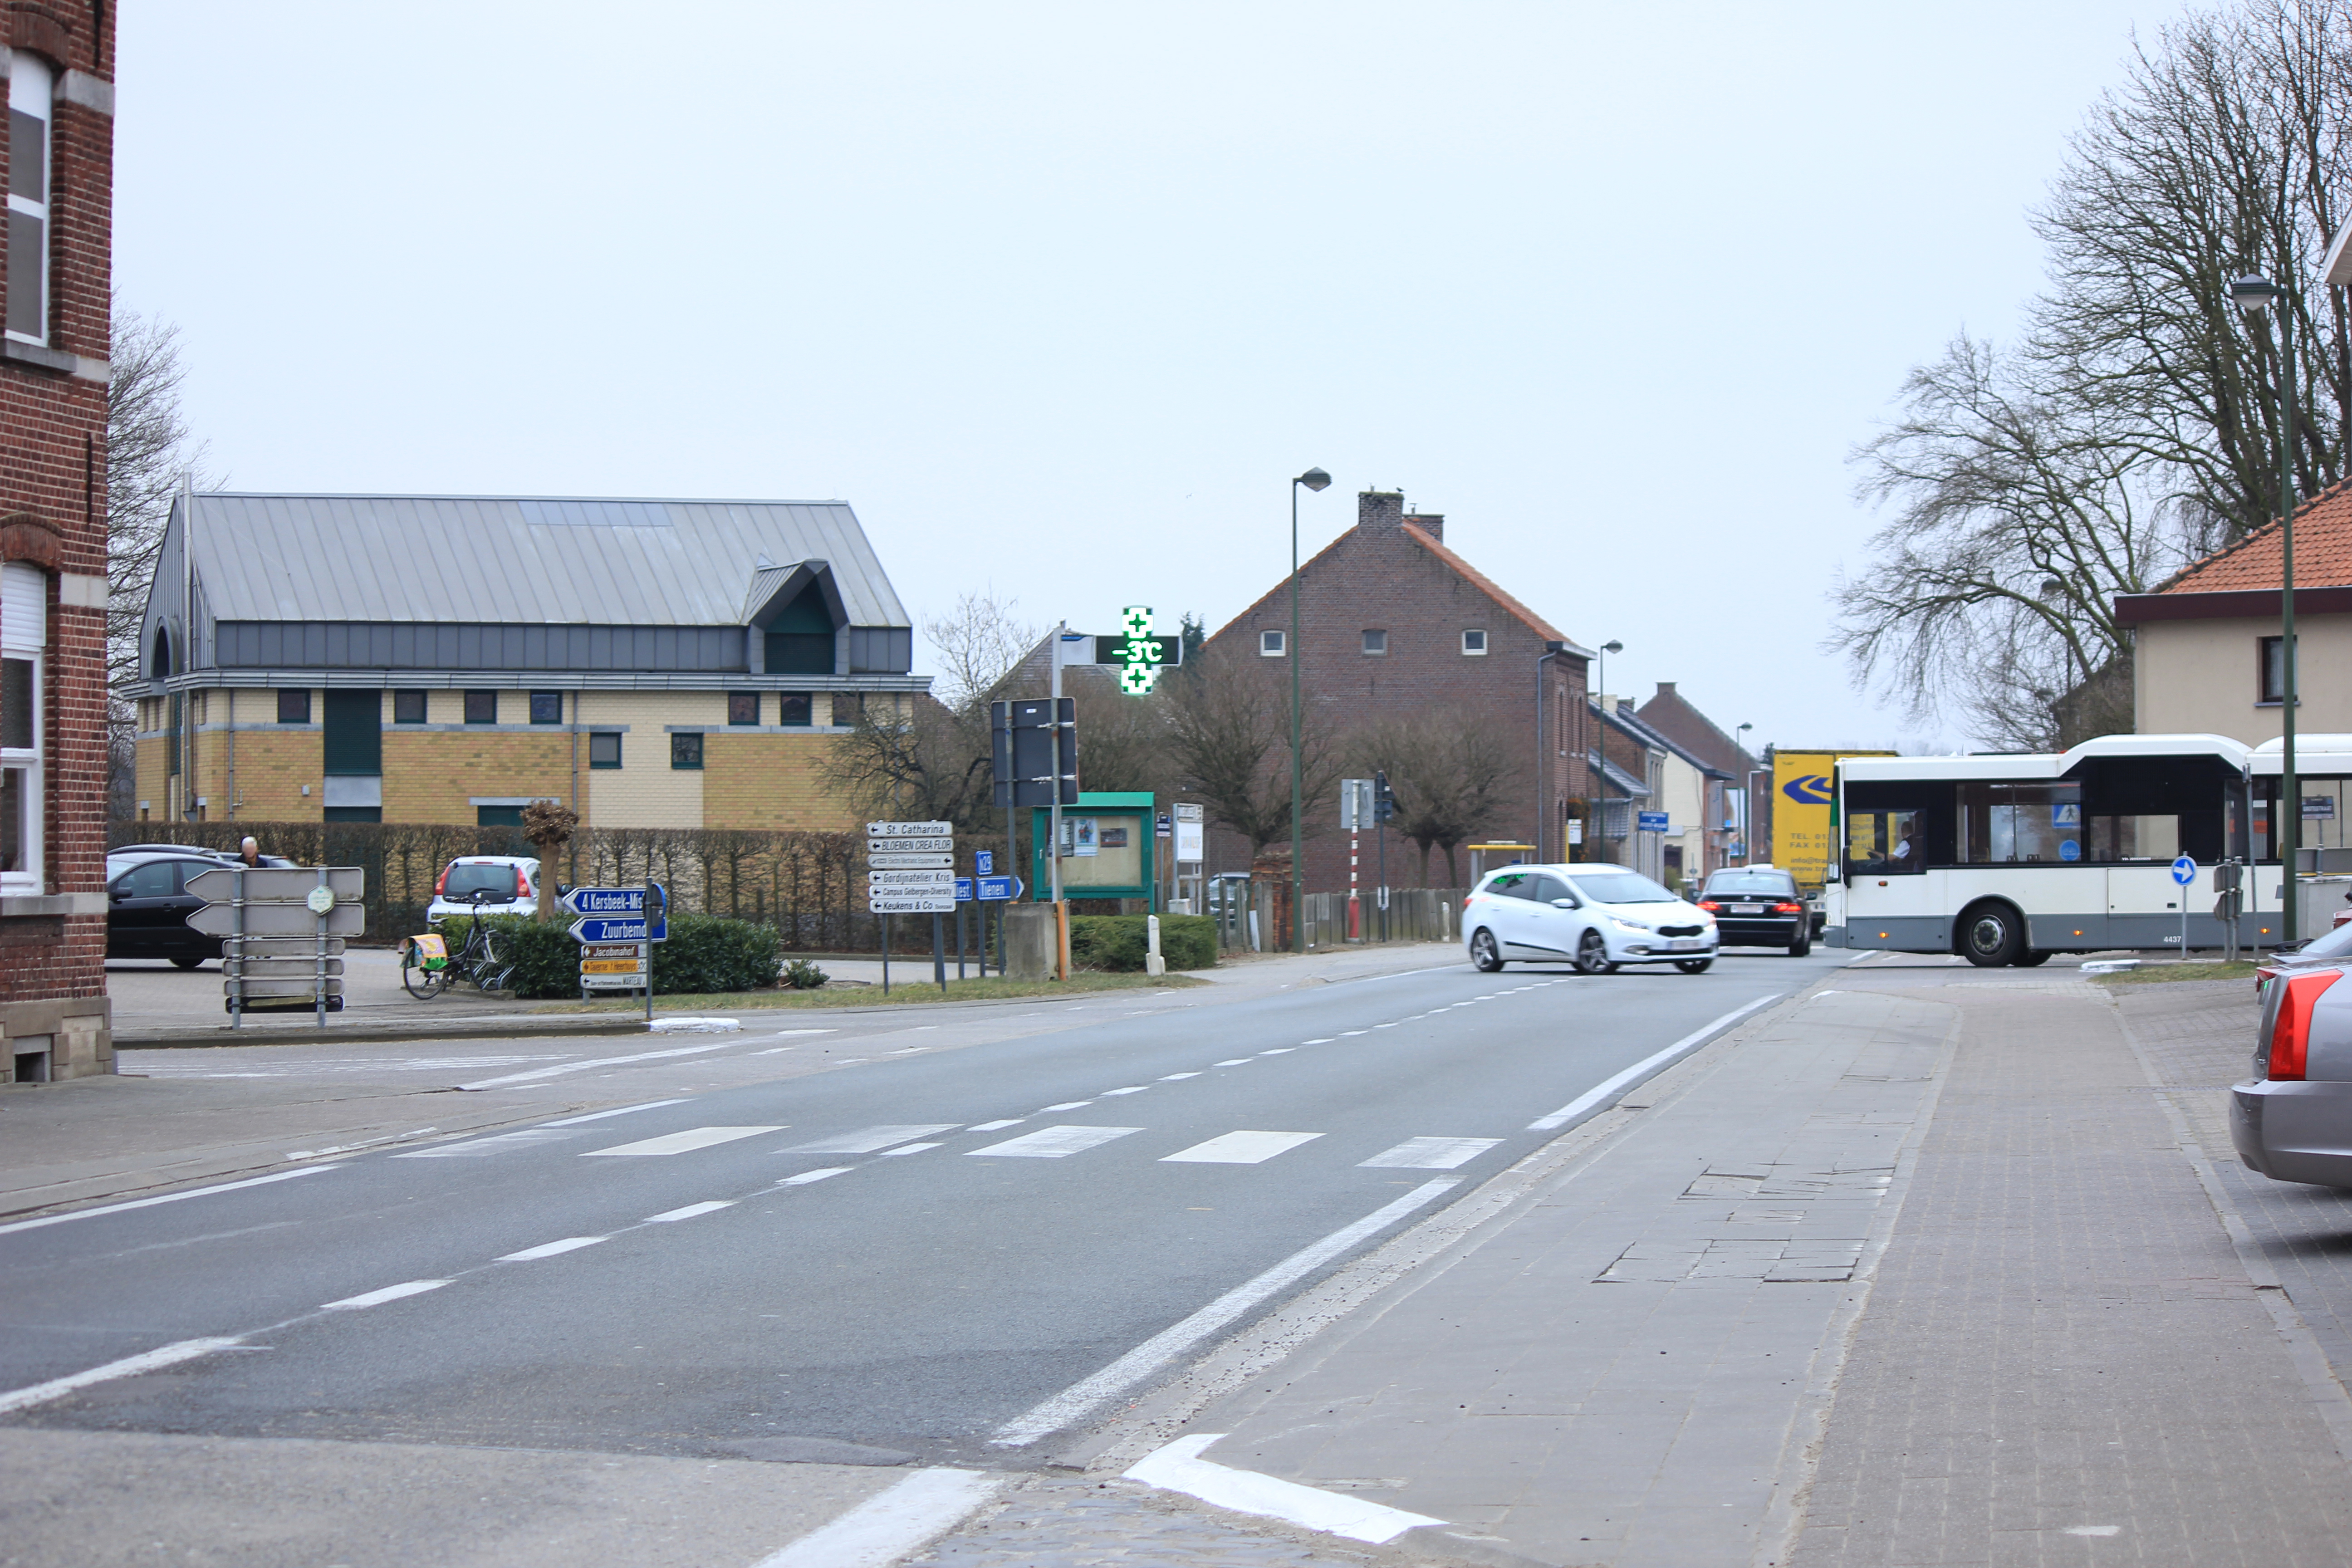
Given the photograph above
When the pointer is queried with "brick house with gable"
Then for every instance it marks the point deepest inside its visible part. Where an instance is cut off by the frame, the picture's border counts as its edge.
(54, 277)
(1393, 624)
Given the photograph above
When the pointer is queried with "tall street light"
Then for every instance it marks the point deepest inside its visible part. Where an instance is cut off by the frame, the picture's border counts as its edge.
(1747, 794)
(2254, 295)
(1546, 776)
(1598, 837)
(1314, 479)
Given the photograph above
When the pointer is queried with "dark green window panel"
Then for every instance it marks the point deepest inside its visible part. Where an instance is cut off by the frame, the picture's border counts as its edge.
(685, 750)
(498, 816)
(354, 813)
(355, 738)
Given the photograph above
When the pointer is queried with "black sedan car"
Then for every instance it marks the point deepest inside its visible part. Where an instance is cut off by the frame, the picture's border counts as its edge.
(148, 905)
(1756, 906)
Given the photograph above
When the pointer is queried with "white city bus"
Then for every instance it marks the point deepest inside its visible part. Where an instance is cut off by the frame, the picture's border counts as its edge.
(2007, 860)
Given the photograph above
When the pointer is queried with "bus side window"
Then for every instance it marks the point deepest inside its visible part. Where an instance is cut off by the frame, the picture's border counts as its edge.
(1884, 844)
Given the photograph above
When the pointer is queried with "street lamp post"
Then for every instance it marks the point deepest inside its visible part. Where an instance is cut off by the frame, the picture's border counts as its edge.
(1599, 836)
(2254, 294)
(1314, 479)
(1545, 773)
(1746, 794)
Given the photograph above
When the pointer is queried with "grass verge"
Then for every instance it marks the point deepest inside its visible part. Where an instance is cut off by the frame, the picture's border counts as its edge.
(2164, 970)
(915, 988)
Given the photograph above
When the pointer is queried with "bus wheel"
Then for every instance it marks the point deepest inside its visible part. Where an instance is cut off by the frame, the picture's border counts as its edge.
(1992, 936)
(2031, 958)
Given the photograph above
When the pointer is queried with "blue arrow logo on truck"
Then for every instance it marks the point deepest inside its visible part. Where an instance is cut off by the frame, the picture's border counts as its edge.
(1807, 789)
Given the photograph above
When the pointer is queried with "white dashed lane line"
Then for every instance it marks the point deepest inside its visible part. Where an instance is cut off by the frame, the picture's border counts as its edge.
(551, 1249)
(1054, 1142)
(691, 1211)
(378, 1298)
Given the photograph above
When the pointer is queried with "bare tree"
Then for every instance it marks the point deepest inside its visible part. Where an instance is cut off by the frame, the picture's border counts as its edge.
(1228, 739)
(930, 764)
(1451, 776)
(980, 642)
(2020, 511)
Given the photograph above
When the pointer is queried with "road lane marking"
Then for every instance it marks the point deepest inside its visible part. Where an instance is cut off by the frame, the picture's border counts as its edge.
(128, 1366)
(1601, 1092)
(893, 1524)
(684, 1142)
(1054, 1142)
(1241, 1148)
(691, 1211)
(1430, 1154)
(481, 1148)
(166, 1198)
(1279, 1051)
(537, 1074)
(600, 1115)
(907, 1149)
(1345, 1034)
(1179, 1467)
(1075, 1401)
(551, 1248)
(1065, 1105)
(1324, 1041)
(806, 1177)
(1179, 1076)
(378, 1298)
(1235, 1062)
(1131, 1089)
(993, 1126)
(866, 1140)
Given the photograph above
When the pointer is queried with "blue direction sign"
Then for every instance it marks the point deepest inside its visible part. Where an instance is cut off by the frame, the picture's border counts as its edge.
(2184, 870)
(993, 889)
(624, 928)
(608, 901)
(1653, 822)
(963, 890)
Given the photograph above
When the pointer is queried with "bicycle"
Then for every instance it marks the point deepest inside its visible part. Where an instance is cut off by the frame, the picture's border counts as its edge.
(477, 961)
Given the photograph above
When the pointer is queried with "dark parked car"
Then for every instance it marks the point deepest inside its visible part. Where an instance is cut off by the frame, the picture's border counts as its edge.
(1756, 906)
(148, 905)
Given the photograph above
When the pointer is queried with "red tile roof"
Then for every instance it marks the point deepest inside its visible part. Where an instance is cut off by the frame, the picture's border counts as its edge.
(2323, 552)
(1484, 584)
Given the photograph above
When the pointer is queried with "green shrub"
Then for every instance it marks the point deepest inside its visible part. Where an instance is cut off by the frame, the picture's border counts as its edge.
(1118, 941)
(704, 953)
(802, 975)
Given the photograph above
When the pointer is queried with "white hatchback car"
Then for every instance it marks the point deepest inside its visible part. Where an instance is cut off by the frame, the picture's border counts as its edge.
(1594, 915)
(507, 885)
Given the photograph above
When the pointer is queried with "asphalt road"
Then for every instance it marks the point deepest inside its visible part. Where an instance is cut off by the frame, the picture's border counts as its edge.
(926, 1253)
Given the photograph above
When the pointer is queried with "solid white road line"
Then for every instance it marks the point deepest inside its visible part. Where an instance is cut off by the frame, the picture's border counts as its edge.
(389, 1293)
(1430, 1154)
(684, 1142)
(1241, 1148)
(868, 1139)
(166, 1198)
(1600, 1094)
(806, 1177)
(536, 1074)
(481, 1148)
(1054, 1142)
(551, 1248)
(690, 1211)
(1178, 1468)
(624, 1111)
(893, 1524)
(128, 1366)
(1074, 1402)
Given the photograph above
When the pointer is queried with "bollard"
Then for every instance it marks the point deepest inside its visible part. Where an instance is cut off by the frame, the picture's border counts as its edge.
(1153, 964)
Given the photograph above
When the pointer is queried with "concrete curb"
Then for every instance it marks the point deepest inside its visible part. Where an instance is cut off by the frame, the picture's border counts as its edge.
(362, 1034)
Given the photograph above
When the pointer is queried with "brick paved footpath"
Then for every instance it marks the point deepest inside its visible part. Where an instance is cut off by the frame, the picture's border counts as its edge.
(2050, 1351)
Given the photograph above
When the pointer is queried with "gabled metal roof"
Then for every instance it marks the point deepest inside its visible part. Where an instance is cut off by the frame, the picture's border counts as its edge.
(519, 560)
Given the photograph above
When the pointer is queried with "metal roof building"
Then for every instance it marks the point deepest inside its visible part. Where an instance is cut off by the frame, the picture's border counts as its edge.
(259, 590)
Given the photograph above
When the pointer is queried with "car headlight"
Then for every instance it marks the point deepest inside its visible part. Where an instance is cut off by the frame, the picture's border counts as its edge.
(1622, 923)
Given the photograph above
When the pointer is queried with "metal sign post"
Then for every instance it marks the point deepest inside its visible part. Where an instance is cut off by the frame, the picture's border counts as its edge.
(281, 930)
(2184, 872)
(911, 870)
(616, 938)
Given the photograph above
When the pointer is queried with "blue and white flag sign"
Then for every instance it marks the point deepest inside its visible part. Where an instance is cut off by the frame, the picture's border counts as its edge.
(2184, 870)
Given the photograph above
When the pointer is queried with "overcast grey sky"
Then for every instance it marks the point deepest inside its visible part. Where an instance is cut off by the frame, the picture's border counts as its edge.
(1059, 297)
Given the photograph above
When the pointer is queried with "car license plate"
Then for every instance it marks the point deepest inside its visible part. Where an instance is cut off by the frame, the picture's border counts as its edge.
(1686, 944)
(1747, 908)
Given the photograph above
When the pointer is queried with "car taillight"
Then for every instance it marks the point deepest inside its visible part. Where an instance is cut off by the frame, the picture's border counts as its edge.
(441, 881)
(1787, 908)
(522, 881)
(1710, 906)
(2291, 1036)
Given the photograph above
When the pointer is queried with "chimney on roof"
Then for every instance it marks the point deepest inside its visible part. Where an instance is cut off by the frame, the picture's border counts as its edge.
(1666, 689)
(1380, 510)
(1433, 523)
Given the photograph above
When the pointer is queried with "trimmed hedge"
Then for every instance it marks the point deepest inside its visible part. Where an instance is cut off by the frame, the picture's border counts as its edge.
(1118, 941)
(704, 954)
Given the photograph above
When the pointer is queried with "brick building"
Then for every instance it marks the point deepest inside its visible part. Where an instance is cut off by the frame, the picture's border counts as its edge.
(450, 659)
(1639, 768)
(1749, 781)
(1394, 625)
(54, 277)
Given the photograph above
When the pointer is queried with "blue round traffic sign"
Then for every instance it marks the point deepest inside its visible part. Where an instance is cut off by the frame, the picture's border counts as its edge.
(2184, 870)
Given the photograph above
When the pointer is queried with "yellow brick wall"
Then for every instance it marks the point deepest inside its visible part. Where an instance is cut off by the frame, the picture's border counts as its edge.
(431, 775)
(769, 782)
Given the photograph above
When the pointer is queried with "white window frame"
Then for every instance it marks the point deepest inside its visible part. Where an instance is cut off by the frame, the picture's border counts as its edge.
(1471, 649)
(16, 643)
(1371, 651)
(1274, 644)
(32, 91)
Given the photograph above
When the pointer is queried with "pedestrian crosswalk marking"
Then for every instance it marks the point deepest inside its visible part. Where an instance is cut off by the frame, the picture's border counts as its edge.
(866, 1140)
(907, 1149)
(1241, 1148)
(1054, 1142)
(1430, 1153)
(684, 1142)
(480, 1148)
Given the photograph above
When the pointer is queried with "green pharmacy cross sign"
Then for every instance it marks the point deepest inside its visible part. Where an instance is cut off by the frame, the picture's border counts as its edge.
(1139, 656)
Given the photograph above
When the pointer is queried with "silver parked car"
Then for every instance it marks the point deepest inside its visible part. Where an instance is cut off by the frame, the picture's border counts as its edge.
(2293, 1121)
